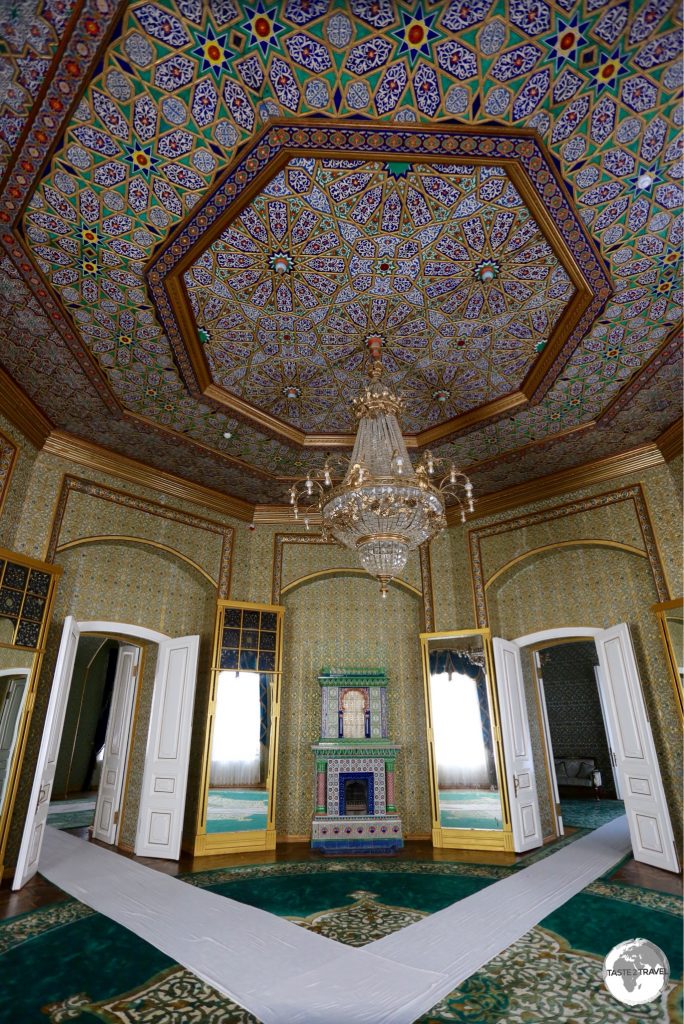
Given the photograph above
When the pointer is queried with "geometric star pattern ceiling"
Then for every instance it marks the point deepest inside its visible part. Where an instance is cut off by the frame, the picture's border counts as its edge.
(179, 89)
(334, 251)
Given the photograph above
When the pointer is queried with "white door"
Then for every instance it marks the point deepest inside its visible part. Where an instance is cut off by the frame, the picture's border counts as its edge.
(515, 735)
(634, 757)
(32, 839)
(10, 713)
(162, 802)
(116, 744)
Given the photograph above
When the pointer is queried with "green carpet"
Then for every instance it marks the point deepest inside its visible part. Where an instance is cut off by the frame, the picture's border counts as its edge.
(590, 813)
(76, 816)
(67, 963)
(469, 808)
(236, 810)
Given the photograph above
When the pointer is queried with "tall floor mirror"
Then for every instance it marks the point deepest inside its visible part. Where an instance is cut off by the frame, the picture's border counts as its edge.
(27, 590)
(237, 809)
(467, 781)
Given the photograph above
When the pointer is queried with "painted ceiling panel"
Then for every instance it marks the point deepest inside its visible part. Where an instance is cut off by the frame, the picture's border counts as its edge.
(389, 246)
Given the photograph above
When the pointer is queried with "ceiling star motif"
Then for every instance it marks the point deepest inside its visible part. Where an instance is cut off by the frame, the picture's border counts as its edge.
(600, 84)
(367, 250)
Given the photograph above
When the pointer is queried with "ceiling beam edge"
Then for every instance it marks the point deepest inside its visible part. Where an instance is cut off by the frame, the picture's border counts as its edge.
(671, 441)
(22, 411)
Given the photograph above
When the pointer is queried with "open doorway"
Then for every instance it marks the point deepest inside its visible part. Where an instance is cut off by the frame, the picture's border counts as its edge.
(90, 772)
(578, 751)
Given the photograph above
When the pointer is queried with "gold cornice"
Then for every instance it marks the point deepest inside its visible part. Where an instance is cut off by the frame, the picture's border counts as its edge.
(93, 456)
(281, 515)
(671, 441)
(20, 410)
(550, 486)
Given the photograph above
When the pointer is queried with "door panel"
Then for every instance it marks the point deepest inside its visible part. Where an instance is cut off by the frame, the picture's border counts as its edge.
(162, 802)
(116, 744)
(39, 802)
(634, 756)
(515, 734)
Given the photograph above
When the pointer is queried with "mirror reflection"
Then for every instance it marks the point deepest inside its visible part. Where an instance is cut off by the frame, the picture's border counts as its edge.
(675, 627)
(15, 671)
(467, 780)
(238, 796)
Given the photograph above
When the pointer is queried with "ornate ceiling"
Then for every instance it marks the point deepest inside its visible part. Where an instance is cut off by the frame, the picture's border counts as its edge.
(208, 207)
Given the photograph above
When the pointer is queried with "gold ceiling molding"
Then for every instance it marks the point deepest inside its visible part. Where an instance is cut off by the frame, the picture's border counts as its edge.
(22, 412)
(671, 441)
(94, 456)
(565, 480)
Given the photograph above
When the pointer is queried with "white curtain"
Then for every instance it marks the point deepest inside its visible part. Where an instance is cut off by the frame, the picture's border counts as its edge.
(459, 744)
(235, 748)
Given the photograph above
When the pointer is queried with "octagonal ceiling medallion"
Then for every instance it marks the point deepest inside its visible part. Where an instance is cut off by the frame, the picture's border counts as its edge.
(458, 248)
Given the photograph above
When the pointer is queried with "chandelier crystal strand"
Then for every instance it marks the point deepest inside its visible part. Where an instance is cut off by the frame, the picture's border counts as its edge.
(383, 508)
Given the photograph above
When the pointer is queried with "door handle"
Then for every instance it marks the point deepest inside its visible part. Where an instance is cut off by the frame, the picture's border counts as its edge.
(516, 785)
(44, 790)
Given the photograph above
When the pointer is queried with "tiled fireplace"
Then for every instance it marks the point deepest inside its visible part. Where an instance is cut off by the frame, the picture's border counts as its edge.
(355, 765)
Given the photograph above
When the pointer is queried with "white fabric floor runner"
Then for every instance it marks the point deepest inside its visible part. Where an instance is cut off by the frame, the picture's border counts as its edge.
(286, 975)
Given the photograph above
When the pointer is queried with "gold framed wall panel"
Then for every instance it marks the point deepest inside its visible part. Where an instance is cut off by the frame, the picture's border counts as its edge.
(632, 493)
(73, 484)
(277, 589)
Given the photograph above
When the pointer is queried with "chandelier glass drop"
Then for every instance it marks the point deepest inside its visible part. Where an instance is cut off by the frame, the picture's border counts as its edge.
(384, 507)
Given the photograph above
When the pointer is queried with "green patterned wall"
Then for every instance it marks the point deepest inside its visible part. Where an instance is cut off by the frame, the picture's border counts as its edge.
(342, 621)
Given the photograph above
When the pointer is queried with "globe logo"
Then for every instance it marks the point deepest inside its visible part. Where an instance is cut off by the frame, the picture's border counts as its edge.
(636, 972)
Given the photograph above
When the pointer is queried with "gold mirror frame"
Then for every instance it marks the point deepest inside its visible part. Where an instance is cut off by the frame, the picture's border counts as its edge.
(35, 653)
(213, 843)
(467, 838)
(661, 610)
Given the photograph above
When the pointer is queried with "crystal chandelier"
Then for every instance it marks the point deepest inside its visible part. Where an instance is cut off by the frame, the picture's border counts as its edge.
(384, 507)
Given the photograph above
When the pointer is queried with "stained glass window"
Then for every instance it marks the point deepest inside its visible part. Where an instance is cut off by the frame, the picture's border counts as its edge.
(248, 639)
(24, 593)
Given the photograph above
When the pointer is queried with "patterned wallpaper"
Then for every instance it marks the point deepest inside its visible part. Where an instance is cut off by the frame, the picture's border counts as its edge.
(15, 484)
(574, 708)
(337, 618)
(341, 622)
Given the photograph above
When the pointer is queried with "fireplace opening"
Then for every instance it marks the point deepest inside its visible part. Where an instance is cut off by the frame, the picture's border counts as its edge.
(356, 796)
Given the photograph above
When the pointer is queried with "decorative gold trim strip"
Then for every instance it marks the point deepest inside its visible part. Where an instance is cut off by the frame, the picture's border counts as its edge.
(93, 456)
(661, 609)
(94, 539)
(104, 493)
(10, 470)
(20, 410)
(345, 572)
(580, 542)
(671, 441)
(565, 480)
(633, 493)
(281, 515)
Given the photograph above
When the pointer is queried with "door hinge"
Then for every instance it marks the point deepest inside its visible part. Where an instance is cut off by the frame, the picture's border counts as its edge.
(116, 817)
(613, 758)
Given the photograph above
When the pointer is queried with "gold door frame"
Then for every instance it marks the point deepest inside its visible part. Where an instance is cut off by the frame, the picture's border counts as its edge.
(467, 838)
(212, 843)
(23, 726)
(661, 609)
